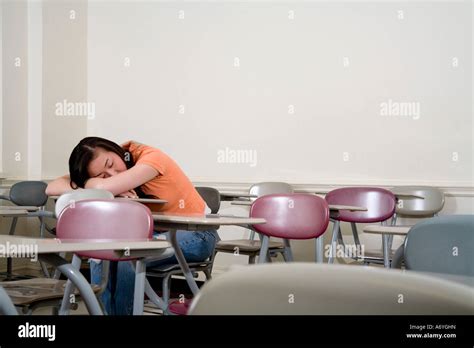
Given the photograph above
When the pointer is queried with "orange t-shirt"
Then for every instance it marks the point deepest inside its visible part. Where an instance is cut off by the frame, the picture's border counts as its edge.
(171, 184)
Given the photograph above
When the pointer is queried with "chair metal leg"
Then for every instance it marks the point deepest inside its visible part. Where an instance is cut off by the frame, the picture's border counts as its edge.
(45, 270)
(397, 260)
(332, 248)
(287, 254)
(77, 279)
(69, 289)
(355, 234)
(385, 248)
(154, 298)
(390, 238)
(208, 274)
(183, 264)
(166, 288)
(42, 223)
(319, 249)
(139, 293)
(9, 259)
(57, 274)
(263, 256)
(252, 259)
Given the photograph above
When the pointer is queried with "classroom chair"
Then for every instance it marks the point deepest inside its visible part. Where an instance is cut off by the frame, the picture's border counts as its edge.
(31, 294)
(28, 193)
(211, 196)
(111, 220)
(289, 216)
(317, 289)
(380, 204)
(213, 200)
(443, 244)
(412, 207)
(252, 247)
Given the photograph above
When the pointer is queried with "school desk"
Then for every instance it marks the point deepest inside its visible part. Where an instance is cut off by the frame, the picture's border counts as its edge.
(196, 223)
(140, 200)
(233, 196)
(398, 194)
(49, 249)
(332, 207)
(13, 212)
(19, 207)
(386, 231)
(23, 211)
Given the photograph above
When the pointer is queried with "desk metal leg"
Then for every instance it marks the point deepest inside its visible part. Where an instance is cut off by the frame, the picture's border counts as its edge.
(69, 289)
(154, 298)
(182, 263)
(333, 250)
(139, 295)
(288, 253)
(77, 279)
(319, 249)
(386, 256)
(9, 259)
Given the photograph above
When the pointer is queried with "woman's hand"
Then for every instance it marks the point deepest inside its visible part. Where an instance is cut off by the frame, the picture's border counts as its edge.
(59, 186)
(129, 194)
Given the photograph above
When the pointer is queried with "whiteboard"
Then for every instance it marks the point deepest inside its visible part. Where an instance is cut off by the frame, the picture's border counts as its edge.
(305, 92)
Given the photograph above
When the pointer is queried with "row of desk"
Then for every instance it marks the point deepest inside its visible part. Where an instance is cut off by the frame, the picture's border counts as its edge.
(49, 249)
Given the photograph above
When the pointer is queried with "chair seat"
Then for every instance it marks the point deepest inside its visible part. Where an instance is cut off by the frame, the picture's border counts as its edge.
(246, 245)
(377, 254)
(28, 291)
(176, 267)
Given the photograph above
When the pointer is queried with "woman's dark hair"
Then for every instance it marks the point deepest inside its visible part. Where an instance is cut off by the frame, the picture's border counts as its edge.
(84, 153)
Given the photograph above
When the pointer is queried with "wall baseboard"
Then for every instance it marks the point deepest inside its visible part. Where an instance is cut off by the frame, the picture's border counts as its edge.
(449, 189)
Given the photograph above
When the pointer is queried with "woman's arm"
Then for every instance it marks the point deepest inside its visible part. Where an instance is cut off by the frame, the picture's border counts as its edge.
(59, 186)
(124, 181)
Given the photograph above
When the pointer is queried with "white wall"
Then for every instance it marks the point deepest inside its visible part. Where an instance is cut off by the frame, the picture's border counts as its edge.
(1, 86)
(64, 78)
(187, 65)
(15, 88)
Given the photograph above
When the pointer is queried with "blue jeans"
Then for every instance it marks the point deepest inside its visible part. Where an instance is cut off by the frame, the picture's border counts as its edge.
(118, 296)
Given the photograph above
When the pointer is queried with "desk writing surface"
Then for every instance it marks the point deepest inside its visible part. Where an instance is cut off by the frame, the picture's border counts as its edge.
(12, 212)
(55, 245)
(140, 200)
(19, 207)
(407, 195)
(380, 229)
(331, 206)
(211, 219)
(237, 194)
(346, 207)
(143, 200)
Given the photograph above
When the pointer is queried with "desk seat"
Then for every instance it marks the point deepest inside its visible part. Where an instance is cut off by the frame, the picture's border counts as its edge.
(28, 292)
(246, 245)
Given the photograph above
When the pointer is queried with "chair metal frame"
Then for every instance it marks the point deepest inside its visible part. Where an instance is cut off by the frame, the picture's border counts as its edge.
(261, 189)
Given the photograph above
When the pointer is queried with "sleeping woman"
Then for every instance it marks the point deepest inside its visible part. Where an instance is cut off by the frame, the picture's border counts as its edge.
(135, 170)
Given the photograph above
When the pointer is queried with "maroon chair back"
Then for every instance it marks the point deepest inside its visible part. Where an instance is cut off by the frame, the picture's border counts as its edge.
(380, 203)
(291, 216)
(105, 221)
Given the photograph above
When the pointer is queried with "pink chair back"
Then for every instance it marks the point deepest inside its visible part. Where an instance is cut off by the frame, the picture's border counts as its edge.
(380, 203)
(105, 221)
(291, 216)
